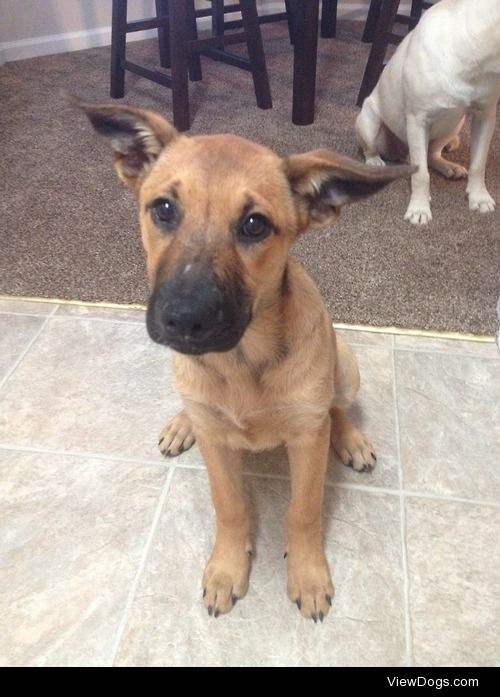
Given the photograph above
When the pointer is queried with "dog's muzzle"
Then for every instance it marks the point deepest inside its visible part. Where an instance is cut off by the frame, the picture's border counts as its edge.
(193, 316)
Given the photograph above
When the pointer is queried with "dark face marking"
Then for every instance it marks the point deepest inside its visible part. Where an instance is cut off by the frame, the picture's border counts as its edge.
(193, 312)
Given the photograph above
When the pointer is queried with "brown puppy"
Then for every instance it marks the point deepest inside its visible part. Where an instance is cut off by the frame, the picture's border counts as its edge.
(255, 356)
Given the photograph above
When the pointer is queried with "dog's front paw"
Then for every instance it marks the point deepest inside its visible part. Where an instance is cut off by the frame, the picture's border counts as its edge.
(353, 449)
(481, 202)
(418, 214)
(226, 577)
(177, 436)
(310, 585)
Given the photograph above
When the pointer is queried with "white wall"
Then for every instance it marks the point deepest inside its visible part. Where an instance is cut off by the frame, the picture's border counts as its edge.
(31, 28)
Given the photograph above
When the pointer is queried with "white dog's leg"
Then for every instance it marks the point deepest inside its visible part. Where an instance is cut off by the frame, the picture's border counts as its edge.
(450, 170)
(417, 133)
(368, 126)
(483, 126)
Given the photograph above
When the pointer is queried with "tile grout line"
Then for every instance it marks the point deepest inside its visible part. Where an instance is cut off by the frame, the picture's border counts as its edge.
(72, 317)
(140, 570)
(82, 454)
(402, 519)
(20, 358)
(375, 490)
(444, 352)
(62, 318)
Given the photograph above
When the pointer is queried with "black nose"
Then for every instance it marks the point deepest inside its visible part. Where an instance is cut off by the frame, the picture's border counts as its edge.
(192, 314)
(187, 320)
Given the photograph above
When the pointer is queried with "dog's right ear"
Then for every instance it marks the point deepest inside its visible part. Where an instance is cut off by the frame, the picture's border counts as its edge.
(137, 137)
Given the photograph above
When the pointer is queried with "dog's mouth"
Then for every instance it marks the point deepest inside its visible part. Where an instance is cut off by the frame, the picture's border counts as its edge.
(214, 343)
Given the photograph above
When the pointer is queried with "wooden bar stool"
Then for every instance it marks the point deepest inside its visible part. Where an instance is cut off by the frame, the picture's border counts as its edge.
(180, 50)
(382, 16)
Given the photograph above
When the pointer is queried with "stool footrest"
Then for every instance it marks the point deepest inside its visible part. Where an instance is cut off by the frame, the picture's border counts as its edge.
(155, 75)
(199, 45)
(229, 58)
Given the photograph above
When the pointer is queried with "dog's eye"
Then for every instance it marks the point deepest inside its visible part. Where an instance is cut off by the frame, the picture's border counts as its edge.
(255, 227)
(164, 213)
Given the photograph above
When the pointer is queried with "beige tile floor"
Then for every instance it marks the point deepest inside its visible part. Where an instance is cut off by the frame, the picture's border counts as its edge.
(103, 543)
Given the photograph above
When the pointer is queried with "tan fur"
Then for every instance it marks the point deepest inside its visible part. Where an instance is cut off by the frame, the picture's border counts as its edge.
(288, 378)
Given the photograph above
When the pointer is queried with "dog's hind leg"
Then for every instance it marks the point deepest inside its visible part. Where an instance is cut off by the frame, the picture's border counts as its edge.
(347, 378)
(350, 445)
(368, 128)
(177, 436)
(450, 170)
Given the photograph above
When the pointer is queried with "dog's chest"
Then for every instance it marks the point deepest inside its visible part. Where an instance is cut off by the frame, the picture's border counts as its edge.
(243, 416)
(477, 90)
(243, 411)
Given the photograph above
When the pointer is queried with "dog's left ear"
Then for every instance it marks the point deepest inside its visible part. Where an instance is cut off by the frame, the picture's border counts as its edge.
(322, 182)
(136, 136)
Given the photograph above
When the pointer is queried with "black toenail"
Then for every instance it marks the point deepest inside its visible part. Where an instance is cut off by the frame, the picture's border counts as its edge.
(285, 555)
(321, 616)
(216, 613)
(161, 440)
(210, 610)
(298, 603)
(328, 599)
(314, 617)
(204, 592)
(235, 599)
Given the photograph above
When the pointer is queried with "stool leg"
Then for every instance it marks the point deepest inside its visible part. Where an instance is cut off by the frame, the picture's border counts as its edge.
(378, 50)
(178, 27)
(416, 13)
(118, 45)
(304, 61)
(217, 22)
(194, 58)
(329, 19)
(256, 53)
(371, 21)
(289, 16)
(217, 17)
(163, 36)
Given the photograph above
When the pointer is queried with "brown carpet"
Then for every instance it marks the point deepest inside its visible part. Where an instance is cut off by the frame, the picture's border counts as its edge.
(69, 228)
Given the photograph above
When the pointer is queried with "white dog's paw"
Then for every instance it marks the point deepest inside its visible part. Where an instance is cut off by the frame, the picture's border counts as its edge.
(418, 214)
(481, 202)
(375, 161)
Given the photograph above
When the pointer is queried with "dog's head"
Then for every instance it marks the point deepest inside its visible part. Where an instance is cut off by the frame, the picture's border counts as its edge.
(218, 215)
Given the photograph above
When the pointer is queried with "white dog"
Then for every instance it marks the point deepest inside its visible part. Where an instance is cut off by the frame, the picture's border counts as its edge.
(446, 68)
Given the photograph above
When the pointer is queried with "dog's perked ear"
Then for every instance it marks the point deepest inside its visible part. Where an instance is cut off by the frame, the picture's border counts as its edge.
(322, 182)
(137, 137)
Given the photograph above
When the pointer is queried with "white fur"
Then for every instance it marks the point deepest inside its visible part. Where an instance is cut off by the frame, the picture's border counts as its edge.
(446, 68)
